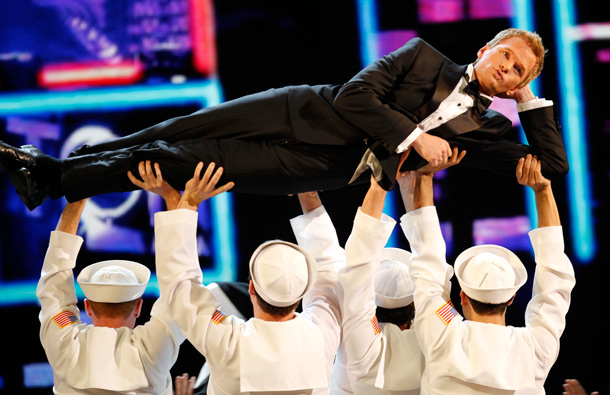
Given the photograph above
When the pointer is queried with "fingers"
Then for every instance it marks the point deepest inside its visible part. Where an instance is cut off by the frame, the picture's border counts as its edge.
(134, 180)
(191, 385)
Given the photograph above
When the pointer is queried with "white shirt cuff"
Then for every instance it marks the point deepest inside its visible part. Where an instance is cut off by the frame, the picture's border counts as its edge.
(402, 147)
(533, 104)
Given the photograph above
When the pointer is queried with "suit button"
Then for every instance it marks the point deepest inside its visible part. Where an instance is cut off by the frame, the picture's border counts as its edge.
(440, 118)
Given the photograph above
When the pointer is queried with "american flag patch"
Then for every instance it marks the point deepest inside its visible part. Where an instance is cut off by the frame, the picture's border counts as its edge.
(217, 317)
(375, 325)
(447, 312)
(65, 318)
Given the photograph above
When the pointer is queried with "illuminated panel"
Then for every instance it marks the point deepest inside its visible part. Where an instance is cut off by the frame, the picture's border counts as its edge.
(367, 25)
(205, 93)
(90, 74)
(440, 11)
(511, 233)
(369, 53)
(388, 41)
(202, 36)
(574, 127)
(37, 375)
(485, 9)
(523, 19)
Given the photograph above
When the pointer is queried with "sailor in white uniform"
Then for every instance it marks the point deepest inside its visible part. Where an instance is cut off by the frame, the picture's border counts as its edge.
(379, 352)
(478, 353)
(277, 351)
(112, 355)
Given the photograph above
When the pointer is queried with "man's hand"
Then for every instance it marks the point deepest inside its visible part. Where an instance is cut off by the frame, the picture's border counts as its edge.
(455, 159)
(520, 95)
(573, 387)
(183, 385)
(528, 174)
(309, 201)
(199, 188)
(154, 182)
(432, 148)
(416, 186)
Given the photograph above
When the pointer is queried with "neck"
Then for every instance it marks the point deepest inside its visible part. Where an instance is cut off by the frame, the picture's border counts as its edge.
(113, 322)
(261, 315)
(498, 319)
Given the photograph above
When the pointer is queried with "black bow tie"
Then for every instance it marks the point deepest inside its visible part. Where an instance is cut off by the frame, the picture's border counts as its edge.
(480, 102)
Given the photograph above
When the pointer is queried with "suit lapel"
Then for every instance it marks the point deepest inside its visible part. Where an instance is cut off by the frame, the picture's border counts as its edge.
(448, 78)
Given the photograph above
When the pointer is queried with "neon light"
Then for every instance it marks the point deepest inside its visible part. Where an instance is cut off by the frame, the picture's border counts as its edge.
(201, 19)
(589, 31)
(369, 53)
(574, 127)
(204, 93)
(523, 19)
(367, 26)
(90, 73)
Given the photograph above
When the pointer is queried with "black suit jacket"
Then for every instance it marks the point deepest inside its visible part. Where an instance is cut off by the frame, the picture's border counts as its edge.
(385, 101)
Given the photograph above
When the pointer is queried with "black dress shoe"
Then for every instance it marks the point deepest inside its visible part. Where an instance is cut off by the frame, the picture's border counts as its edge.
(31, 192)
(13, 158)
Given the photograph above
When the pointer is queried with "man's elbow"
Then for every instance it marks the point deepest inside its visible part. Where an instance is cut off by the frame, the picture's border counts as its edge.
(555, 169)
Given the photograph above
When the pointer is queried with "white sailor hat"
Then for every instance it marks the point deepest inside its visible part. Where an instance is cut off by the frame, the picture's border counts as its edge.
(393, 284)
(282, 272)
(113, 281)
(490, 273)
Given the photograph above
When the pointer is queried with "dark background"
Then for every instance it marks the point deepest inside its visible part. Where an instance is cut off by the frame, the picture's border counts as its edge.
(270, 44)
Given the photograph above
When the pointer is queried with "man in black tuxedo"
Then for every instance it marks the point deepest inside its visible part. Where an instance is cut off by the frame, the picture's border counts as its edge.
(303, 138)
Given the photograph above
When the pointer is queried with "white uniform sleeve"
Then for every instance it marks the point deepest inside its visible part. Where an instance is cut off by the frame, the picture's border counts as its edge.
(161, 339)
(361, 339)
(553, 282)
(55, 291)
(315, 233)
(192, 306)
(431, 276)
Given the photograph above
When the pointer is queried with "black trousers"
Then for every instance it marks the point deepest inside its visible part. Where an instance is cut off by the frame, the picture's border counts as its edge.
(251, 137)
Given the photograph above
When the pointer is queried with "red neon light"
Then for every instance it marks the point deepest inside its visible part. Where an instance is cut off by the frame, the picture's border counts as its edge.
(93, 73)
(203, 36)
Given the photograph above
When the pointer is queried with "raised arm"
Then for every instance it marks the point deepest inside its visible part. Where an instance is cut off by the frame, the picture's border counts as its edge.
(190, 304)
(314, 231)
(430, 271)
(529, 174)
(55, 290)
(554, 276)
(370, 233)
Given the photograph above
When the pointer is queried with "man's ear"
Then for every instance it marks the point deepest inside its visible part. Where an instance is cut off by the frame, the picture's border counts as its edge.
(251, 288)
(511, 300)
(482, 50)
(138, 309)
(463, 298)
(88, 308)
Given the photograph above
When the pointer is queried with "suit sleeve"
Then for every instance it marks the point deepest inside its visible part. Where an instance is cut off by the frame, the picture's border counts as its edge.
(553, 282)
(192, 306)
(361, 334)
(361, 101)
(59, 314)
(543, 134)
(431, 277)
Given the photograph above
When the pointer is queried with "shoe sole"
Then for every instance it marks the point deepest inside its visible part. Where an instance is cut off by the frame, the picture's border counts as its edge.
(26, 188)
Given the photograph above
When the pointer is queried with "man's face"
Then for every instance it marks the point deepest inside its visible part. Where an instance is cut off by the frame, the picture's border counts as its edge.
(500, 69)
